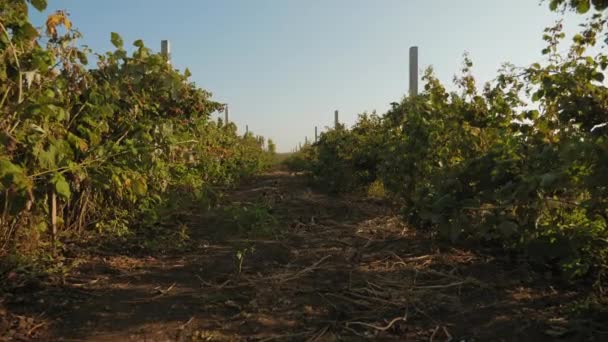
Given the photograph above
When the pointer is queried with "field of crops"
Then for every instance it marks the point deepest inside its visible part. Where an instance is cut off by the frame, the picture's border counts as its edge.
(519, 163)
(106, 149)
(474, 214)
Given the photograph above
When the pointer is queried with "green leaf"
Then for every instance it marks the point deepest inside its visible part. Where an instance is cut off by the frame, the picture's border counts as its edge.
(78, 142)
(8, 168)
(598, 76)
(120, 54)
(117, 40)
(554, 4)
(13, 175)
(583, 6)
(139, 43)
(40, 5)
(29, 32)
(139, 187)
(533, 114)
(82, 57)
(53, 111)
(61, 185)
(47, 159)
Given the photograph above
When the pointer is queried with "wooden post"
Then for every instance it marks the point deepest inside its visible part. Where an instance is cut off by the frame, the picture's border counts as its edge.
(165, 49)
(413, 71)
(53, 217)
(336, 120)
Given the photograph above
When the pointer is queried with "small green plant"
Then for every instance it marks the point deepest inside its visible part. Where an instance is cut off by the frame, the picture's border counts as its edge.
(376, 189)
(240, 257)
(250, 220)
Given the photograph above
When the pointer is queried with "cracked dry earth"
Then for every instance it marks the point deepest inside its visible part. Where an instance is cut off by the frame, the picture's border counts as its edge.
(341, 269)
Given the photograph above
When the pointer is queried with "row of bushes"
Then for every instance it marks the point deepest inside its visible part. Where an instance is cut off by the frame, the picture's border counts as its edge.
(521, 163)
(101, 149)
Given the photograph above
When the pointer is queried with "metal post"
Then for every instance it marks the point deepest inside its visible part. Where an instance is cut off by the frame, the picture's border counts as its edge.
(165, 49)
(413, 71)
(336, 121)
(316, 134)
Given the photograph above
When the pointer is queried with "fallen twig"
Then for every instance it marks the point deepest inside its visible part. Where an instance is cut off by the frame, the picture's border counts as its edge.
(445, 331)
(183, 326)
(167, 290)
(215, 286)
(385, 328)
(427, 287)
(306, 270)
(355, 332)
(162, 293)
(327, 300)
(376, 299)
(277, 337)
(318, 335)
(34, 328)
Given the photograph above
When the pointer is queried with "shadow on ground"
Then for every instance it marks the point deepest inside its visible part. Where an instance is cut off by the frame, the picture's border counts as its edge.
(341, 269)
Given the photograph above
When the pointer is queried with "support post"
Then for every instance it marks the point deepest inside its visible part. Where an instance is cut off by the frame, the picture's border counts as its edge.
(336, 120)
(413, 71)
(53, 218)
(165, 49)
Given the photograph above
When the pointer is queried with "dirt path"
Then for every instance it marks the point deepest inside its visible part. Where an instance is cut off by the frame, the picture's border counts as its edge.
(340, 269)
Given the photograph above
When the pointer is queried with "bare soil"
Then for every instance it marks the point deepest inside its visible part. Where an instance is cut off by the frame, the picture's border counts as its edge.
(342, 269)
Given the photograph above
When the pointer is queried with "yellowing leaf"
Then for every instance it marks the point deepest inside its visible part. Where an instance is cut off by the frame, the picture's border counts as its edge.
(140, 187)
(78, 142)
(56, 19)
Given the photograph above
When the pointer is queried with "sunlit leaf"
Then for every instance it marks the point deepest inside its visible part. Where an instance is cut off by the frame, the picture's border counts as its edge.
(117, 40)
(40, 5)
(61, 185)
(56, 19)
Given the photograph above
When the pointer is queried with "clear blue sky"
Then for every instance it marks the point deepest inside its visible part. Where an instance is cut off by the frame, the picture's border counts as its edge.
(285, 65)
